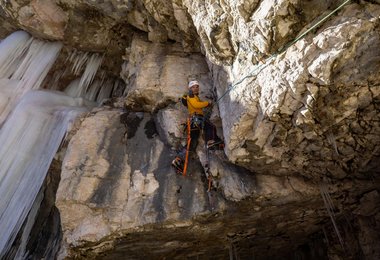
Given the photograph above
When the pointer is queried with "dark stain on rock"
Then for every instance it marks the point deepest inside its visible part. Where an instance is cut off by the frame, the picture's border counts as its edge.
(102, 143)
(150, 129)
(185, 191)
(139, 149)
(190, 183)
(162, 175)
(103, 193)
(132, 122)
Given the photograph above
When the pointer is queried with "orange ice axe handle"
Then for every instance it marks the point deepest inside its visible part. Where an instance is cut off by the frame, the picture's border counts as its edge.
(187, 147)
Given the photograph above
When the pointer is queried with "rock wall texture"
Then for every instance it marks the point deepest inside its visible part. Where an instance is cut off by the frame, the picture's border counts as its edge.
(299, 175)
(314, 109)
(118, 195)
(156, 73)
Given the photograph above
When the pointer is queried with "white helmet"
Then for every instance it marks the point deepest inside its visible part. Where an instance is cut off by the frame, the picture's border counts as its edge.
(193, 83)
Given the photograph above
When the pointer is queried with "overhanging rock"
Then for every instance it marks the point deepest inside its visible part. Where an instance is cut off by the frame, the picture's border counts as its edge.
(315, 108)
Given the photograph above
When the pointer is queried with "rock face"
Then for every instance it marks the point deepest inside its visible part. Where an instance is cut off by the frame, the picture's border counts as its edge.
(299, 121)
(314, 109)
(157, 74)
(119, 192)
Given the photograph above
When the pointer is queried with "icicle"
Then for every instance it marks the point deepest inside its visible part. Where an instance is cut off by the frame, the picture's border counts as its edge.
(53, 83)
(7, 88)
(83, 89)
(79, 59)
(32, 68)
(324, 232)
(21, 251)
(29, 140)
(93, 90)
(330, 210)
(96, 92)
(73, 89)
(92, 66)
(12, 50)
(119, 88)
(37, 63)
(235, 251)
(102, 76)
(106, 90)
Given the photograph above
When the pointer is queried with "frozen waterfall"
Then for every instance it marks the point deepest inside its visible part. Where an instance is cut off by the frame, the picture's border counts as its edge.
(30, 138)
(24, 63)
(33, 124)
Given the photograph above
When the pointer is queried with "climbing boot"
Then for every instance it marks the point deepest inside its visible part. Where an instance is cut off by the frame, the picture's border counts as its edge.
(178, 164)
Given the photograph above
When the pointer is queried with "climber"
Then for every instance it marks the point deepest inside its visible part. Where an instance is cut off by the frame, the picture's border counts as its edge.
(197, 122)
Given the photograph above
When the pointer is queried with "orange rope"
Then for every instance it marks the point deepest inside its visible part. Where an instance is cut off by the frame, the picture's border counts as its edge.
(187, 147)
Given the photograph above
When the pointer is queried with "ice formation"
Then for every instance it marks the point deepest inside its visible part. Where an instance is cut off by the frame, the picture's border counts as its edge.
(24, 64)
(33, 123)
(30, 138)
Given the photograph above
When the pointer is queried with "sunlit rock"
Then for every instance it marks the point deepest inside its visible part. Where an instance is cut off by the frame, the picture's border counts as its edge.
(119, 192)
(44, 17)
(296, 114)
(157, 75)
(298, 177)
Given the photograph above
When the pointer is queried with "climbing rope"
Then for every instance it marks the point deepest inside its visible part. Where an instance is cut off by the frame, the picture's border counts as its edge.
(281, 51)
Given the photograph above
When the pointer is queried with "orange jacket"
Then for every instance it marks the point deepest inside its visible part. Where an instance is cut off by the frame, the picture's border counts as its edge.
(195, 105)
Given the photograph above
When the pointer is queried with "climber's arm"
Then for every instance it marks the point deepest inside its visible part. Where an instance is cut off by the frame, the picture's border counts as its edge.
(197, 104)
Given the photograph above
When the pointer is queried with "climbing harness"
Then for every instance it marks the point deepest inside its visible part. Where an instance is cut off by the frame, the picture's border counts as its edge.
(266, 62)
(197, 121)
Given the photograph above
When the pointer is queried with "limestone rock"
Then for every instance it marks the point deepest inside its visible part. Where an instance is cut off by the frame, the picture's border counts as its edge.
(109, 178)
(105, 26)
(157, 75)
(170, 125)
(6, 28)
(44, 16)
(369, 204)
(368, 222)
(244, 31)
(40, 17)
(302, 113)
(369, 236)
(311, 114)
(117, 185)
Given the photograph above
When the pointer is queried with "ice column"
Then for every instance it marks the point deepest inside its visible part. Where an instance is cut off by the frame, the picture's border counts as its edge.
(29, 140)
